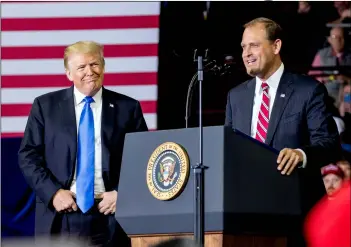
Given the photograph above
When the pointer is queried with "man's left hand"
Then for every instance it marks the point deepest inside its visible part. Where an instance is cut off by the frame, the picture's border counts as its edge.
(108, 203)
(288, 159)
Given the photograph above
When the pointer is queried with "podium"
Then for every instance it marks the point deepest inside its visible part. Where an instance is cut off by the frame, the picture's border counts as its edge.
(247, 201)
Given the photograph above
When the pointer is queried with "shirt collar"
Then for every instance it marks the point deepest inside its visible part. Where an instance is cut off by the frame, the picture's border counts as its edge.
(78, 96)
(274, 79)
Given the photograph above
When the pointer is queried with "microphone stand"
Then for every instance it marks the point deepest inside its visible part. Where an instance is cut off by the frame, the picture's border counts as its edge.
(198, 170)
(189, 99)
(191, 86)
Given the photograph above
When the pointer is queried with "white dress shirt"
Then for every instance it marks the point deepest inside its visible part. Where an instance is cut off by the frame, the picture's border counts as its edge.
(96, 107)
(273, 83)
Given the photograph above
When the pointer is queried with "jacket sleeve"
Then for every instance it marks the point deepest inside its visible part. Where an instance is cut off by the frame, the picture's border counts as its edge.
(31, 157)
(325, 144)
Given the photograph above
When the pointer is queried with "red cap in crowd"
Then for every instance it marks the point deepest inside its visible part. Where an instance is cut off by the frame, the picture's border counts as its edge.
(332, 169)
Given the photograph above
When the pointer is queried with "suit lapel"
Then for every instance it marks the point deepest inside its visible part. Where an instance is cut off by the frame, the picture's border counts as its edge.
(246, 105)
(108, 116)
(282, 97)
(68, 117)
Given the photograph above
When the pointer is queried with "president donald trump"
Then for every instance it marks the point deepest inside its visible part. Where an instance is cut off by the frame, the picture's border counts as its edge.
(71, 151)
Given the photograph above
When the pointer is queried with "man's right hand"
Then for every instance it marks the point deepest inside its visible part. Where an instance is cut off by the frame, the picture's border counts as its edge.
(63, 200)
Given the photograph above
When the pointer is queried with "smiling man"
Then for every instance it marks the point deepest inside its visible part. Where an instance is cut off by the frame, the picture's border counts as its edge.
(283, 110)
(72, 148)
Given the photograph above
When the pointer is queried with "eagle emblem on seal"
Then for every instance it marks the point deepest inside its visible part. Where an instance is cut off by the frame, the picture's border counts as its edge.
(166, 175)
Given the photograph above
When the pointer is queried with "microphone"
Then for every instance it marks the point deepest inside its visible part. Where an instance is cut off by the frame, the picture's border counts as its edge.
(211, 67)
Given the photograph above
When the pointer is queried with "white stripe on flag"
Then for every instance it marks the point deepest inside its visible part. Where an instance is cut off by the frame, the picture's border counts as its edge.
(18, 124)
(67, 37)
(55, 66)
(81, 9)
(27, 95)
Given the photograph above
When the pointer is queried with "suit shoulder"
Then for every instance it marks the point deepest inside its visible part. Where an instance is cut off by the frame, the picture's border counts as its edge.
(52, 96)
(241, 87)
(305, 81)
(120, 97)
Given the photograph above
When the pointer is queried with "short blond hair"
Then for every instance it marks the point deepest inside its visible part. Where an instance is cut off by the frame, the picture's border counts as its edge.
(273, 29)
(85, 47)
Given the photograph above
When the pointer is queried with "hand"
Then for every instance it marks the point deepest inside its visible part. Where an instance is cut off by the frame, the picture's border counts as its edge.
(63, 200)
(108, 203)
(288, 159)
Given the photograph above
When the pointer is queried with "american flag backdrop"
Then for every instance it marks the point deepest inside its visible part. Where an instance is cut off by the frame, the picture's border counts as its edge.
(33, 38)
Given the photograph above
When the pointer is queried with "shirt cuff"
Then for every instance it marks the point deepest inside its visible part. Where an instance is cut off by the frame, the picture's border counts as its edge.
(304, 162)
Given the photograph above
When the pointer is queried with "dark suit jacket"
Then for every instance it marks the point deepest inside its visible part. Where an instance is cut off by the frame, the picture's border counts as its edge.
(48, 151)
(298, 120)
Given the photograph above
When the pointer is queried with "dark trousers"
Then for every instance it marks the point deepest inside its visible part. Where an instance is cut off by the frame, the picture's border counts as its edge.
(92, 229)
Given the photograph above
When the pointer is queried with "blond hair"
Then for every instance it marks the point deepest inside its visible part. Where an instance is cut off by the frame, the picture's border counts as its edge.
(273, 29)
(85, 47)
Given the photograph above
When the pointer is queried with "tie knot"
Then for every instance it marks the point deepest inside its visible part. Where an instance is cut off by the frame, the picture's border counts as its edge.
(88, 99)
(264, 86)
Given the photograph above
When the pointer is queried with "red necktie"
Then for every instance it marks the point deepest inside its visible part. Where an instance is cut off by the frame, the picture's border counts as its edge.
(263, 115)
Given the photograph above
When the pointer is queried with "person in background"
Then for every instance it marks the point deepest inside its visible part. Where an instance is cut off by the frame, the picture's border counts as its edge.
(345, 99)
(328, 224)
(333, 178)
(304, 7)
(337, 54)
(345, 166)
(343, 10)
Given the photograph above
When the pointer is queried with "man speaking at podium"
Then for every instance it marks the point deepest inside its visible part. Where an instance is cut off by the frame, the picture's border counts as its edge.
(72, 148)
(283, 110)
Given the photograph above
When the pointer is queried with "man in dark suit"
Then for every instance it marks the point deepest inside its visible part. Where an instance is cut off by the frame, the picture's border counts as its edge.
(72, 148)
(283, 110)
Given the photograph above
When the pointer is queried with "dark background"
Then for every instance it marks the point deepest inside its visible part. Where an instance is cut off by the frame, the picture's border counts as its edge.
(183, 29)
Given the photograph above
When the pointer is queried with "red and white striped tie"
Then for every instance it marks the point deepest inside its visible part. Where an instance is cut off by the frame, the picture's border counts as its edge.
(263, 115)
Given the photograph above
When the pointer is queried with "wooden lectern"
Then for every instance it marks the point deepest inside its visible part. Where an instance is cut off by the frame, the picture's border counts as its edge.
(246, 199)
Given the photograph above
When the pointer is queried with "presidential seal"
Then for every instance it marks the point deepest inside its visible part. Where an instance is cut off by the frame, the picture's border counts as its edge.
(167, 171)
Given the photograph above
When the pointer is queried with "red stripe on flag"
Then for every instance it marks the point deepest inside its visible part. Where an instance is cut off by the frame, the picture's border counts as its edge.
(57, 51)
(20, 110)
(11, 135)
(28, 81)
(79, 23)
(149, 106)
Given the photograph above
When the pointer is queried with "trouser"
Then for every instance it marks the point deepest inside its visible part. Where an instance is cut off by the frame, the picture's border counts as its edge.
(92, 229)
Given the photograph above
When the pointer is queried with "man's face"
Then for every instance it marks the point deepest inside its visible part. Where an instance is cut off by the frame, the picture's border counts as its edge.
(258, 52)
(86, 71)
(332, 183)
(336, 39)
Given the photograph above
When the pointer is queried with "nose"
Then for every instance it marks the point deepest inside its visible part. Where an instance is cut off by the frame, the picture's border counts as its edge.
(246, 52)
(89, 70)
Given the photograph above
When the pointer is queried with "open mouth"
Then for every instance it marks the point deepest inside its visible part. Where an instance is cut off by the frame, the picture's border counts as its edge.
(251, 61)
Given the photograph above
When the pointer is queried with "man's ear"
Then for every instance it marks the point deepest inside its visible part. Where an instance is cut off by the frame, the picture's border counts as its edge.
(68, 74)
(277, 46)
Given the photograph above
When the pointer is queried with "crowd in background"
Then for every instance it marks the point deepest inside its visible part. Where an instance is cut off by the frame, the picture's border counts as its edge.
(332, 66)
